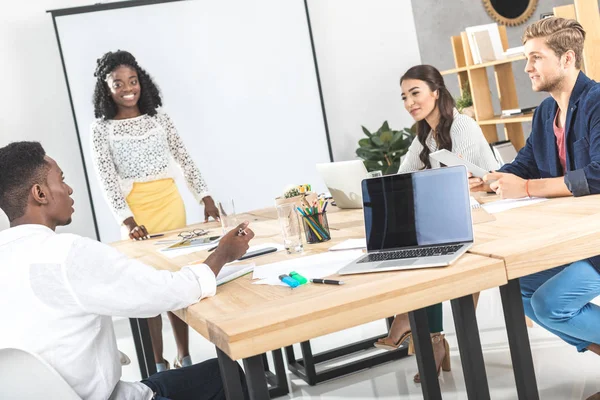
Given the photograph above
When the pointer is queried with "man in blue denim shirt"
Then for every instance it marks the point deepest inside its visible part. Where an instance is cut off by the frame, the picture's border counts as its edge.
(561, 158)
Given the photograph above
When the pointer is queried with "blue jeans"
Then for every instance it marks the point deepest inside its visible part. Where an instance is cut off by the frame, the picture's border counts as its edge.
(198, 382)
(559, 300)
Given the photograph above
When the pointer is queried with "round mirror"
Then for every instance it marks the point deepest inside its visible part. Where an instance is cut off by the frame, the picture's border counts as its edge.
(510, 12)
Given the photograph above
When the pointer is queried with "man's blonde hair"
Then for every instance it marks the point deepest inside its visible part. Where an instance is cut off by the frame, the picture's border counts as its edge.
(561, 36)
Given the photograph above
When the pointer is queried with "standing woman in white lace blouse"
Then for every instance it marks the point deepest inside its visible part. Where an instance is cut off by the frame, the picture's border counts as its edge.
(134, 145)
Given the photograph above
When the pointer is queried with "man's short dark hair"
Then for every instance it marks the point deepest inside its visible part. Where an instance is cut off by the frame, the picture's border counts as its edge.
(22, 165)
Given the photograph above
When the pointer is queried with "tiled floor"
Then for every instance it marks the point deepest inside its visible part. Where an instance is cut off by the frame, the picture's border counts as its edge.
(562, 373)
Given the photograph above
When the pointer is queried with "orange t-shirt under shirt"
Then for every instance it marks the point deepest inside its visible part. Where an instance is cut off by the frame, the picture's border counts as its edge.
(560, 143)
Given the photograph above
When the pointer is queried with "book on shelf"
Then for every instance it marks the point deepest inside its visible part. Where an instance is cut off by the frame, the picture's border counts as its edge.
(515, 51)
(517, 111)
(483, 44)
(494, 41)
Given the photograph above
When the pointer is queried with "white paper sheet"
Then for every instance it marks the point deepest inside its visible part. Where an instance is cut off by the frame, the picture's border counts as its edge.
(474, 203)
(230, 272)
(317, 266)
(508, 204)
(350, 244)
(182, 252)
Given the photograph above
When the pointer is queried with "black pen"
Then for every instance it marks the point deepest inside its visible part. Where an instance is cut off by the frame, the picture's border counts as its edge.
(327, 281)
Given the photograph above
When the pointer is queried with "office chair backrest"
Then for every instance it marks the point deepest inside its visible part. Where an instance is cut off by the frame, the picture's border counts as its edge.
(26, 376)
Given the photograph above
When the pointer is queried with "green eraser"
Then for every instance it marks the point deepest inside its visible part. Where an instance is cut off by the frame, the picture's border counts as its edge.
(298, 278)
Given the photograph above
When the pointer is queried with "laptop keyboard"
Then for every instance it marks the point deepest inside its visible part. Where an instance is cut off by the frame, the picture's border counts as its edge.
(412, 253)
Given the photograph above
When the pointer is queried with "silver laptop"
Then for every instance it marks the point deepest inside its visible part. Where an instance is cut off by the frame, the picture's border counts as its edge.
(343, 180)
(415, 220)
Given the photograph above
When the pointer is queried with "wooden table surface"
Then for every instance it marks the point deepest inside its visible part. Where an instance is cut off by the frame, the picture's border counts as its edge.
(541, 236)
(245, 319)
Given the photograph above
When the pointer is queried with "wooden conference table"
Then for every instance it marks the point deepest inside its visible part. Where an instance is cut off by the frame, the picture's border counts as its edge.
(244, 321)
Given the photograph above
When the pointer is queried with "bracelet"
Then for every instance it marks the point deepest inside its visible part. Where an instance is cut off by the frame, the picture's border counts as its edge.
(527, 188)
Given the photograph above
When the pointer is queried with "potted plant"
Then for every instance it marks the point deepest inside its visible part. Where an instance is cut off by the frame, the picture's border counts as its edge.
(464, 103)
(383, 149)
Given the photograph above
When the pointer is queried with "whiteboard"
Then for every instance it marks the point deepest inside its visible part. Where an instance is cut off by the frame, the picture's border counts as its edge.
(238, 79)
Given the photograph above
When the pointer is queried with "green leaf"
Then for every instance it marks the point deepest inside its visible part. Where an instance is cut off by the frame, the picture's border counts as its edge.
(364, 143)
(366, 132)
(384, 127)
(373, 166)
(386, 137)
(377, 140)
(392, 169)
(368, 155)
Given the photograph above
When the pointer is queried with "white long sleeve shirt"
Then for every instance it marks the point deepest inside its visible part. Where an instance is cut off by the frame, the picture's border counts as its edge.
(139, 149)
(467, 141)
(58, 293)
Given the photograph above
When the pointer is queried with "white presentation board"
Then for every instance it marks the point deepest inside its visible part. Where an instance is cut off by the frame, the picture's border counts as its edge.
(237, 77)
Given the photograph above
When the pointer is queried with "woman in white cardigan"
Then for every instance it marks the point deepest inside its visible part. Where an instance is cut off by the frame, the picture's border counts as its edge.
(439, 126)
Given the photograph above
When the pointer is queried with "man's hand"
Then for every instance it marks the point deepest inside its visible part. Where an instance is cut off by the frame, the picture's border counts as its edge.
(507, 186)
(210, 210)
(231, 247)
(477, 184)
(136, 232)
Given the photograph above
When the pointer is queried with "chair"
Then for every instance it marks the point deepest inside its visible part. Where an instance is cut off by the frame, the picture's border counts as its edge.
(26, 376)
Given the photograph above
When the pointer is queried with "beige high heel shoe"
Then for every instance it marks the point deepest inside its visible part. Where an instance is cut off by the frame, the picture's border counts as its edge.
(445, 364)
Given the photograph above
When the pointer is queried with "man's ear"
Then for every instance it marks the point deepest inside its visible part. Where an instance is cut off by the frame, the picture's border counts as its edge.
(569, 58)
(39, 194)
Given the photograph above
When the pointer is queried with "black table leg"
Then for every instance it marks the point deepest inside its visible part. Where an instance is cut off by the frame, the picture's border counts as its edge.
(255, 378)
(518, 340)
(143, 346)
(278, 385)
(424, 352)
(230, 374)
(469, 346)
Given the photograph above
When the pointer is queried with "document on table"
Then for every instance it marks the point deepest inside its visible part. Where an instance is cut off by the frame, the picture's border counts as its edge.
(232, 271)
(508, 204)
(317, 266)
(350, 244)
(186, 251)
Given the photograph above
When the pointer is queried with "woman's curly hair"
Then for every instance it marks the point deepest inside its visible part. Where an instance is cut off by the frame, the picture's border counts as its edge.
(104, 105)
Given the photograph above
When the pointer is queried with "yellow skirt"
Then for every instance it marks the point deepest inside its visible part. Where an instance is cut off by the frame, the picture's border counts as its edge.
(157, 205)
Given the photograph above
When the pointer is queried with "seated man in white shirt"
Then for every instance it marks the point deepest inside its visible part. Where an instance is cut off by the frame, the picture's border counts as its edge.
(58, 292)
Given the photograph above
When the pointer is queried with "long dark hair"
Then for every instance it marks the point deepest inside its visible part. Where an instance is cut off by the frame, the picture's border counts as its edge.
(104, 105)
(444, 103)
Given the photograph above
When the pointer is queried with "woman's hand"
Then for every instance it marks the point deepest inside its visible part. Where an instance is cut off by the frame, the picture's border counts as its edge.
(136, 232)
(210, 210)
(477, 184)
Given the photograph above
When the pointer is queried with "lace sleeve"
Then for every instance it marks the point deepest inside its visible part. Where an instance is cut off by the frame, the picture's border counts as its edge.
(179, 152)
(107, 174)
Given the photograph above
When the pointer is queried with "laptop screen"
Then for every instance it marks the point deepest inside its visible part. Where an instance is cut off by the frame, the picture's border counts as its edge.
(428, 207)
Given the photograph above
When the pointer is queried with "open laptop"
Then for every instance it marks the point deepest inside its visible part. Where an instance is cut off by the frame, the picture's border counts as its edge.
(343, 180)
(416, 220)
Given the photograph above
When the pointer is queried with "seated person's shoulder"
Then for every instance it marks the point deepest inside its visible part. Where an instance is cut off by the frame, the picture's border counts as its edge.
(592, 97)
(464, 124)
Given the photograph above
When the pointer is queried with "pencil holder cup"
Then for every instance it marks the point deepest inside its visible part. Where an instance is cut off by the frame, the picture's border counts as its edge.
(316, 227)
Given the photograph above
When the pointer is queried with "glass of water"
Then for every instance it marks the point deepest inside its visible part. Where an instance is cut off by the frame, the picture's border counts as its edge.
(227, 214)
(290, 228)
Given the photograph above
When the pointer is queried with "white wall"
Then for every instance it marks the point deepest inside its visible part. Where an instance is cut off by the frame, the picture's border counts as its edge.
(34, 104)
(363, 47)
